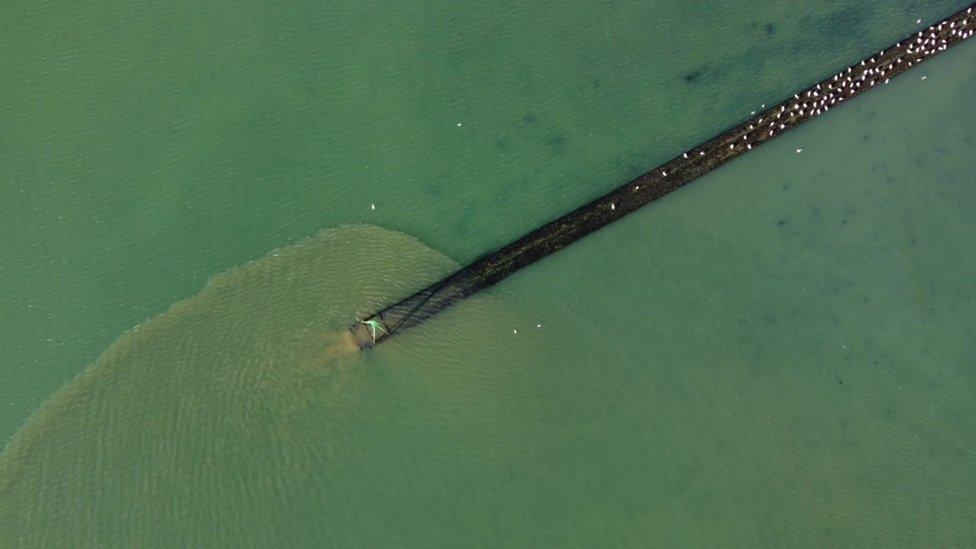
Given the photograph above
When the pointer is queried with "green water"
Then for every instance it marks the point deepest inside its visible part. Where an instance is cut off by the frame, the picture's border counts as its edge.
(780, 353)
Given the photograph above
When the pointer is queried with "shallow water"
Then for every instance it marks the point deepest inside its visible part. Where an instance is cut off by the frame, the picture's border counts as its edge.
(237, 417)
(779, 353)
(147, 147)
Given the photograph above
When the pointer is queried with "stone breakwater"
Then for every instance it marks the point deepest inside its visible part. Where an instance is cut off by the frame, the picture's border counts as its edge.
(814, 101)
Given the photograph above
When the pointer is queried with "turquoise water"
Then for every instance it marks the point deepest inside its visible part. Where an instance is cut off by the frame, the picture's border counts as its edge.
(776, 354)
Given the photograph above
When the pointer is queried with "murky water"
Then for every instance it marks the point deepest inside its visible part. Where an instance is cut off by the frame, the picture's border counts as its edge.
(779, 353)
(238, 417)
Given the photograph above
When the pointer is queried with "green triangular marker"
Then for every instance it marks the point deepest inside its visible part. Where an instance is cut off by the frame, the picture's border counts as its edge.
(373, 325)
